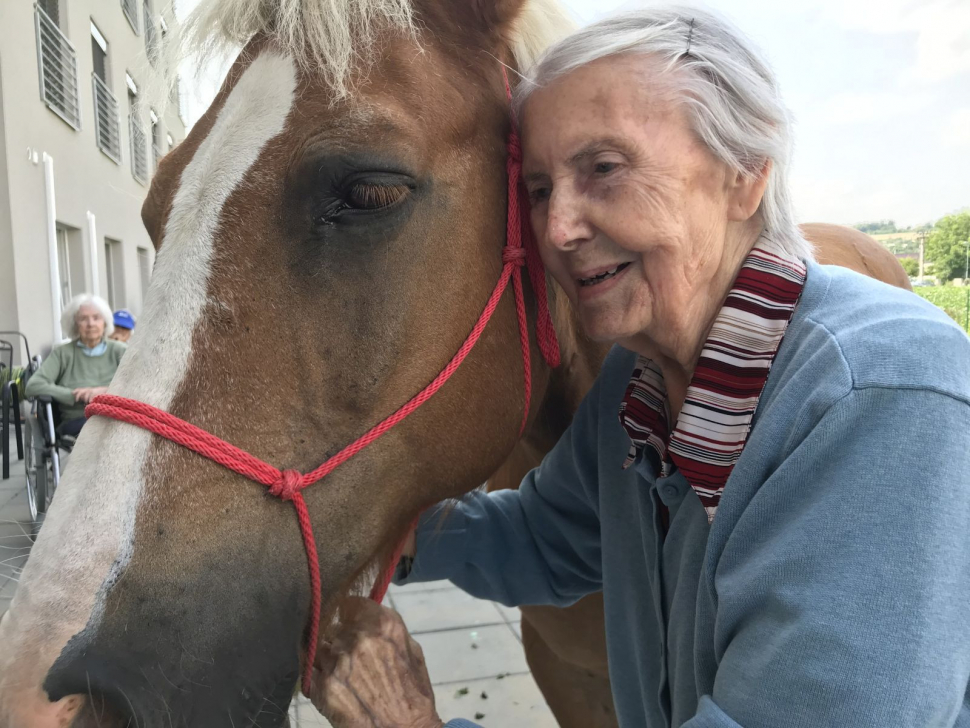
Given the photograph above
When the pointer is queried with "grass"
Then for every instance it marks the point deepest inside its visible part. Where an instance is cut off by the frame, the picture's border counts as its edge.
(951, 299)
(16, 374)
(893, 236)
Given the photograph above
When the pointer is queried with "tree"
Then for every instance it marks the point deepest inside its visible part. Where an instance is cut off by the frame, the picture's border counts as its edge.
(946, 246)
(878, 227)
(911, 266)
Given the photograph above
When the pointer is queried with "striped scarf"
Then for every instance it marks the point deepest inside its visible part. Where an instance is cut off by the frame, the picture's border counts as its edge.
(728, 381)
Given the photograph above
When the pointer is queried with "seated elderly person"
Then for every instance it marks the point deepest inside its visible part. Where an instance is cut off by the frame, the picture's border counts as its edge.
(81, 369)
(769, 480)
(124, 323)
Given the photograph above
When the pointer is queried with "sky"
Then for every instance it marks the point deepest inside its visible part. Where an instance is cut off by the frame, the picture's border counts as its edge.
(880, 93)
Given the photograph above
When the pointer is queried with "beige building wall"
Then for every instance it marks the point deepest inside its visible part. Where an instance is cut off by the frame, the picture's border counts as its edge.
(86, 180)
(8, 288)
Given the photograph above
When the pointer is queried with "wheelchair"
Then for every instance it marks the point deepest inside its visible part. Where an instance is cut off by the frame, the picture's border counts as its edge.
(42, 450)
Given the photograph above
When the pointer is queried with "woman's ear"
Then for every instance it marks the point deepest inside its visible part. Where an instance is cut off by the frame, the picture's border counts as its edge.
(747, 192)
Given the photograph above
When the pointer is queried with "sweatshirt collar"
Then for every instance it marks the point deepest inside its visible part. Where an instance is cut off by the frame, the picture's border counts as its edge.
(730, 376)
(97, 350)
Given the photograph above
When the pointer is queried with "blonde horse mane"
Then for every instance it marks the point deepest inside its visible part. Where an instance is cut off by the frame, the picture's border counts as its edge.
(337, 37)
(540, 24)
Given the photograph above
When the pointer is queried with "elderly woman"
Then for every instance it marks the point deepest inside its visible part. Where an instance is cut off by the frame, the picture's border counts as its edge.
(770, 479)
(81, 369)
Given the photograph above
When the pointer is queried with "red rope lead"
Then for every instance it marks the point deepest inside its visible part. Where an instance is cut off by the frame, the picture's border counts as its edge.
(289, 484)
(521, 231)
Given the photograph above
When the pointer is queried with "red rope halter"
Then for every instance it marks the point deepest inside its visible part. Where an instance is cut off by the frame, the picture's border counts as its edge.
(289, 484)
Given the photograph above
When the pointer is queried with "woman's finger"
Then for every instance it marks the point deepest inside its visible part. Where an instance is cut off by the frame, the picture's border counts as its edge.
(335, 700)
(371, 671)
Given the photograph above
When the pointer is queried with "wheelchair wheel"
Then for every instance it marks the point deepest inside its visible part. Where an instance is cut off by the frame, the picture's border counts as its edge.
(39, 473)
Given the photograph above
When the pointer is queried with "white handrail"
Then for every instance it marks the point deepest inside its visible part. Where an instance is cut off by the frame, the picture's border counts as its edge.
(55, 279)
(95, 282)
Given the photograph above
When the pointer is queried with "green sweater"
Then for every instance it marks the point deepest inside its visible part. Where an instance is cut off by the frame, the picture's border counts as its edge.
(68, 368)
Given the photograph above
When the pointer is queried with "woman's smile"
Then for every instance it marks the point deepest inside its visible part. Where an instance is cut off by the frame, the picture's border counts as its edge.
(595, 284)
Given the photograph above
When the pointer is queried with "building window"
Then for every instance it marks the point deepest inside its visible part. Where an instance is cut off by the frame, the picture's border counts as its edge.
(151, 33)
(114, 273)
(136, 134)
(144, 273)
(130, 8)
(107, 128)
(70, 262)
(52, 9)
(173, 92)
(99, 53)
(57, 64)
(157, 150)
(64, 266)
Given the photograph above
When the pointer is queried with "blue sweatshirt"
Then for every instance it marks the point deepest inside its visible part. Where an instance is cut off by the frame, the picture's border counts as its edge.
(832, 587)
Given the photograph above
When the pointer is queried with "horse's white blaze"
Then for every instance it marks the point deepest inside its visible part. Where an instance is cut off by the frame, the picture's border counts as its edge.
(88, 537)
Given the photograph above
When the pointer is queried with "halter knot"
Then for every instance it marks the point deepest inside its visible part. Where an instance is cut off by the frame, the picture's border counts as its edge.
(513, 255)
(287, 485)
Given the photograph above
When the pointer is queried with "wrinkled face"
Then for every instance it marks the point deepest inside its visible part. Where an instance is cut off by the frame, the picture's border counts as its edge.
(90, 324)
(630, 209)
(318, 264)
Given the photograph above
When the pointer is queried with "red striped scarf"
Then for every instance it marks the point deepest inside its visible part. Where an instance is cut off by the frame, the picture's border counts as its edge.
(728, 381)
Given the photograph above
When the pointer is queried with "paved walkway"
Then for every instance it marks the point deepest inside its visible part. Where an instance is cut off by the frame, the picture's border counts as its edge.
(15, 539)
(474, 653)
(473, 648)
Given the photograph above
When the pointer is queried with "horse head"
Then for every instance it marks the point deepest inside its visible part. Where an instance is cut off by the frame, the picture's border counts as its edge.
(326, 238)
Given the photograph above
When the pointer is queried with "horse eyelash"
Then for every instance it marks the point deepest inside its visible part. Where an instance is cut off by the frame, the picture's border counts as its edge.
(377, 196)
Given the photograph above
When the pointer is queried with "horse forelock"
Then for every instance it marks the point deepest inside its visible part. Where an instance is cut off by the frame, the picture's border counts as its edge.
(340, 38)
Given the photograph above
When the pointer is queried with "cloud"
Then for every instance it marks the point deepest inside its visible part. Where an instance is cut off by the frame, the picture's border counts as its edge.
(956, 129)
(847, 201)
(942, 29)
(943, 47)
(859, 108)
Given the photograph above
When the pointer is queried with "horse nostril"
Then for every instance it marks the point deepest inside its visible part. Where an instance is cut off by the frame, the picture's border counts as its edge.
(123, 685)
(97, 712)
(81, 683)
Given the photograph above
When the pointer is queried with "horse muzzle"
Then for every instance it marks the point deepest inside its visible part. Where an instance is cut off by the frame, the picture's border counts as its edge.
(115, 684)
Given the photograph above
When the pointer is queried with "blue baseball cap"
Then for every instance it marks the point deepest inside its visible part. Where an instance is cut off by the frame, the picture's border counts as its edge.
(124, 319)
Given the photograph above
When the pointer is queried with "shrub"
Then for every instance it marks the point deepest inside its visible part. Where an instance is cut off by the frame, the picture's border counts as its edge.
(951, 299)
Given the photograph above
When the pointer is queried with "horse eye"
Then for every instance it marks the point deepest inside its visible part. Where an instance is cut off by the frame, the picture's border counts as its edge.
(375, 196)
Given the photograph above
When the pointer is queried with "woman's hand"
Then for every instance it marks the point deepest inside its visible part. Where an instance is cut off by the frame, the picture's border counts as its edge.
(86, 394)
(372, 673)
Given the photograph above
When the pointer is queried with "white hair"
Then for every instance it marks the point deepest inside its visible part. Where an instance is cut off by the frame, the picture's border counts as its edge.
(335, 38)
(69, 316)
(731, 94)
